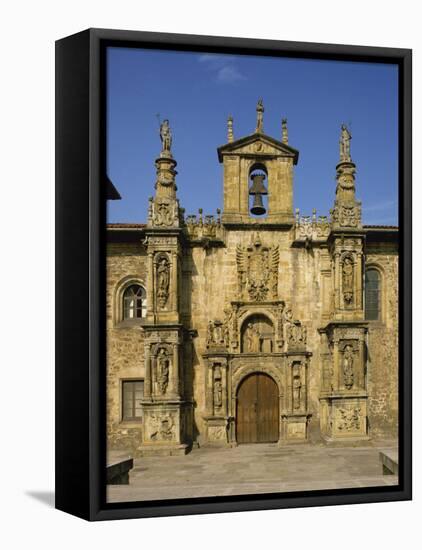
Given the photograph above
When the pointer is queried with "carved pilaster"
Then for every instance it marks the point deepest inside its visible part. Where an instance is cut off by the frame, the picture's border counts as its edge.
(167, 414)
(343, 392)
(216, 392)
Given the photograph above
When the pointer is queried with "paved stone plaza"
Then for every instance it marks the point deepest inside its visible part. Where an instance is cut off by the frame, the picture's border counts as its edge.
(250, 469)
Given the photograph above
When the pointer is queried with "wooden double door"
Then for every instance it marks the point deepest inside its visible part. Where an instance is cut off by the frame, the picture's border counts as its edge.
(257, 415)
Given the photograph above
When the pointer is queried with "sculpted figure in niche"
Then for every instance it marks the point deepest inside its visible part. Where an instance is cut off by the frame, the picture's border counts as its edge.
(218, 393)
(162, 371)
(348, 371)
(163, 279)
(348, 280)
(253, 339)
(217, 333)
(165, 136)
(297, 387)
(210, 333)
(249, 337)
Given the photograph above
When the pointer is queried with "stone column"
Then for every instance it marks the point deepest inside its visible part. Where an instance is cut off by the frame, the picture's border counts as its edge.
(337, 281)
(358, 281)
(176, 369)
(224, 387)
(150, 285)
(174, 282)
(336, 373)
(147, 386)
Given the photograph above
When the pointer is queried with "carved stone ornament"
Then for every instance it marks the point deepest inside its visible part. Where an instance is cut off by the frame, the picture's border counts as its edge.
(162, 427)
(257, 267)
(164, 212)
(162, 370)
(348, 419)
(217, 433)
(348, 367)
(163, 281)
(346, 215)
(296, 334)
(223, 333)
(216, 334)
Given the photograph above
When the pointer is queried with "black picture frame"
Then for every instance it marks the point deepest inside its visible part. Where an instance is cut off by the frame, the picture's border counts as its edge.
(81, 189)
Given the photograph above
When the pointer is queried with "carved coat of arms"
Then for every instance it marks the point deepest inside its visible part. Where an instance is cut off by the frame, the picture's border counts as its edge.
(257, 268)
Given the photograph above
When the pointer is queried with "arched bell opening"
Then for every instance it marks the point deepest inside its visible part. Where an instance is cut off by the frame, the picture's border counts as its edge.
(258, 190)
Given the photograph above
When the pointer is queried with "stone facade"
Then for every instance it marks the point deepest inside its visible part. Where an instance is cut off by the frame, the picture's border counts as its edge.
(235, 294)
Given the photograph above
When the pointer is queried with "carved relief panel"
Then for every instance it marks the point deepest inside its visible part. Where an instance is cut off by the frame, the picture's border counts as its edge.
(257, 268)
(259, 333)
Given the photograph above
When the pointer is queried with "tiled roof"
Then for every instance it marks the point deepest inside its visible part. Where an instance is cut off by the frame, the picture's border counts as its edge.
(380, 226)
(126, 225)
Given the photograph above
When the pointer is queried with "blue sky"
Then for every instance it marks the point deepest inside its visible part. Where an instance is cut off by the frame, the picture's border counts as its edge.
(197, 92)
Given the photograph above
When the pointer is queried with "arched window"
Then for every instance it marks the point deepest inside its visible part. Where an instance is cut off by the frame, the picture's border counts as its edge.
(372, 295)
(134, 302)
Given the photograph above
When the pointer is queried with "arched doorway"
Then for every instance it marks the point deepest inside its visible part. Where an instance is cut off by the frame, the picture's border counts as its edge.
(257, 415)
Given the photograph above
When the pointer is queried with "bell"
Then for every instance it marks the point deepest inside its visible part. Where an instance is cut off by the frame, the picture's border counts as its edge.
(257, 190)
(257, 185)
(258, 207)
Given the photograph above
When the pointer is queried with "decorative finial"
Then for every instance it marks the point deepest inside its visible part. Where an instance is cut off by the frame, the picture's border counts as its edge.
(166, 138)
(259, 117)
(284, 133)
(230, 136)
(345, 138)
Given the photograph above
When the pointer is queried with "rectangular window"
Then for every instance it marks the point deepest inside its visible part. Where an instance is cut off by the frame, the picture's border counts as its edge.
(132, 394)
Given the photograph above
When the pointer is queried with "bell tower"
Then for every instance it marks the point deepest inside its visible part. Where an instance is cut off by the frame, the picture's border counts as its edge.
(261, 167)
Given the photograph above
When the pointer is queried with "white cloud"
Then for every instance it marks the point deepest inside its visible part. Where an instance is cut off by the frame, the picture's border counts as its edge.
(223, 67)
